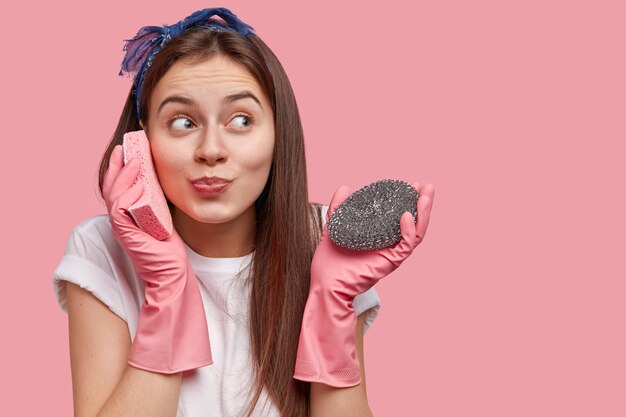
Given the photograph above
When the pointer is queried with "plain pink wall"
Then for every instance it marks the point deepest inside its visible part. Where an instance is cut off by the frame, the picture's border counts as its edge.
(512, 306)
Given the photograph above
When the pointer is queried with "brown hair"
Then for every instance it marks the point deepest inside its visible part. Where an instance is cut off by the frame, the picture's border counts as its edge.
(280, 272)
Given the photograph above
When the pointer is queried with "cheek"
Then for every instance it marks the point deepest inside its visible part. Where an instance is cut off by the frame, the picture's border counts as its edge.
(158, 158)
(166, 162)
(257, 164)
(259, 157)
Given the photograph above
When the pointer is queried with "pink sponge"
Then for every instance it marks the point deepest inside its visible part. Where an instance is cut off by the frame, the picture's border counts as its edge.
(150, 212)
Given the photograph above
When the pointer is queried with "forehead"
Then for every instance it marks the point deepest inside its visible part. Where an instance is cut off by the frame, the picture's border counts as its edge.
(215, 74)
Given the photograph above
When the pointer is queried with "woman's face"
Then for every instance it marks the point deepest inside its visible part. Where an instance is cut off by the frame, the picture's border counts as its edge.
(205, 121)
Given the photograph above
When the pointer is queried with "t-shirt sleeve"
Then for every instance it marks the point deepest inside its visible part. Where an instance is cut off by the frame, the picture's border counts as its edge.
(367, 303)
(86, 263)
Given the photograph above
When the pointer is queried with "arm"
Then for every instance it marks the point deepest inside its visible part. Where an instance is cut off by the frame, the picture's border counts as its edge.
(103, 382)
(327, 401)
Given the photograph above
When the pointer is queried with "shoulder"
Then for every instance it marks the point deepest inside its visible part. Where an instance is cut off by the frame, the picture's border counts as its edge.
(95, 261)
(92, 236)
(97, 225)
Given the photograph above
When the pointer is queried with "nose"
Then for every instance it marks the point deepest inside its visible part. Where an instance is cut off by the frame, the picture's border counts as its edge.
(211, 148)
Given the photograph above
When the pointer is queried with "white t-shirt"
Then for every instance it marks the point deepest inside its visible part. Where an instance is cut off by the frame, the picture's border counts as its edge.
(95, 261)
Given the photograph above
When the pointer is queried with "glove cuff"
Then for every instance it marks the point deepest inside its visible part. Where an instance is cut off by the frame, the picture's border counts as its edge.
(340, 377)
(172, 333)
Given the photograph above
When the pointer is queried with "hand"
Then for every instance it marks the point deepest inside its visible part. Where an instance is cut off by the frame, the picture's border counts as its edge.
(172, 334)
(326, 350)
(332, 264)
(149, 255)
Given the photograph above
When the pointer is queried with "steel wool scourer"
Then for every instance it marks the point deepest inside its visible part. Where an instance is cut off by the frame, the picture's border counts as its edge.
(369, 219)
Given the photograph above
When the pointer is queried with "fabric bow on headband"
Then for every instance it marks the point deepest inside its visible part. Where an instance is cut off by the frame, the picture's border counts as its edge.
(141, 49)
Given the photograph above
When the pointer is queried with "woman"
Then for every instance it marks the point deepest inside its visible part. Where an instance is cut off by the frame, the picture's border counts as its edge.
(209, 322)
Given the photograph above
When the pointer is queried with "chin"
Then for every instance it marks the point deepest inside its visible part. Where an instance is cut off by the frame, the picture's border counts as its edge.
(210, 218)
(211, 214)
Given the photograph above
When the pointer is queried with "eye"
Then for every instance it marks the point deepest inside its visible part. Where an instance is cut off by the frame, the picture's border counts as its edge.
(187, 123)
(245, 118)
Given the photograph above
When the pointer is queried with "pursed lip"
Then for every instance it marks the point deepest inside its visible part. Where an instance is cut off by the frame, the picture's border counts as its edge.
(210, 181)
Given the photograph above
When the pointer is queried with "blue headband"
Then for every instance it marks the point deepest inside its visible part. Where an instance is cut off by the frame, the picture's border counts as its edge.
(151, 39)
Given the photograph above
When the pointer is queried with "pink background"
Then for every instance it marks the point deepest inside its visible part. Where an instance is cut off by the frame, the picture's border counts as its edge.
(512, 306)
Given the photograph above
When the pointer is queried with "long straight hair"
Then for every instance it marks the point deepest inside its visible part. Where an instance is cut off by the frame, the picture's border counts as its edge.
(288, 226)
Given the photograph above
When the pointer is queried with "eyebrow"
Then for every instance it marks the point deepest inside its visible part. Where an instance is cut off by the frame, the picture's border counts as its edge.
(226, 100)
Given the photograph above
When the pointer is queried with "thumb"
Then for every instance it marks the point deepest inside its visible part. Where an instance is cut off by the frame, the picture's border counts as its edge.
(339, 197)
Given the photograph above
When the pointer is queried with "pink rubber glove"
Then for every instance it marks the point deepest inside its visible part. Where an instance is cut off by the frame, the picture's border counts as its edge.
(172, 334)
(327, 350)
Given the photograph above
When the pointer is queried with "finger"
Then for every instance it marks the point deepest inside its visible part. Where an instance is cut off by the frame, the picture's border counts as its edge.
(126, 177)
(115, 164)
(397, 253)
(339, 197)
(120, 217)
(407, 230)
(127, 199)
(424, 205)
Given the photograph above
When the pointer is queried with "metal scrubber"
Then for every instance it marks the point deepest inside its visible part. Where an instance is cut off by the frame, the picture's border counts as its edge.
(369, 219)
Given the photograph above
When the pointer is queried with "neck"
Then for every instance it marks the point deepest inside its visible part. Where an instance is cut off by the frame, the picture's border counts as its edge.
(232, 239)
